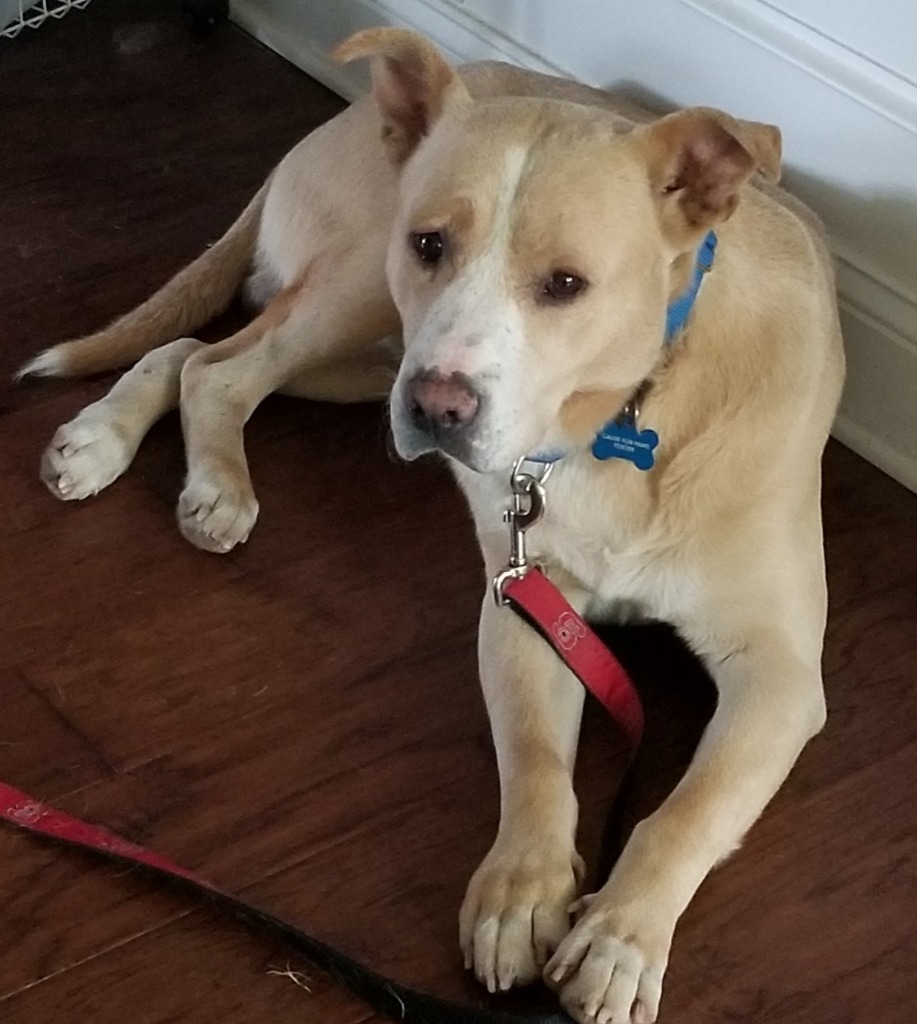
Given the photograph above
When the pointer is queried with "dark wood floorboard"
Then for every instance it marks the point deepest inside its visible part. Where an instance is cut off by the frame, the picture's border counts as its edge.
(301, 719)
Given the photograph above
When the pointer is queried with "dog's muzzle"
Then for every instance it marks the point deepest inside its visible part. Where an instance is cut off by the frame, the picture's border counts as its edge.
(443, 411)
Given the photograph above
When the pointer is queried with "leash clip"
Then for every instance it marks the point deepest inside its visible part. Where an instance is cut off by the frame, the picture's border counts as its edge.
(528, 507)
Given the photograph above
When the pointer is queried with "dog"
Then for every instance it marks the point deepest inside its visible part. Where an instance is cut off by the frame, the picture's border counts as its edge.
(504, 246)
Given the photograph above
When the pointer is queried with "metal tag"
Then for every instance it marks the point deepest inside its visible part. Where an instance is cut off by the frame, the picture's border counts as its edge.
(625, 441)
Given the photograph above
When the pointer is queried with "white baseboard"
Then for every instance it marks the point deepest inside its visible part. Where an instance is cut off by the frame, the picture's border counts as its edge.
(274, 26)
(304, 34)
(900, 466)
(846, 70)
(878, 415)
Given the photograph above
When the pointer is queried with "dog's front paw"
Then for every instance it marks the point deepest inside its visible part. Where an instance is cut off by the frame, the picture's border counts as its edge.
(216, 512)
(516, 912)
(609, 968)
(85, 455)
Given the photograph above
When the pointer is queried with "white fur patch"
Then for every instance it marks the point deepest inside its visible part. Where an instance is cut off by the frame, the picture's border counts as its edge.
(475, 327)
(46, 364)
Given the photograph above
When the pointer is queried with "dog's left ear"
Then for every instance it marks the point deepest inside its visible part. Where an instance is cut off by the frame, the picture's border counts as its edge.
(412, 82)
(699, 159)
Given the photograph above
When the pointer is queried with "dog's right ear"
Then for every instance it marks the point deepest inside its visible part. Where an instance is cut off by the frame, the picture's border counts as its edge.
(699, 160)
(412, 82)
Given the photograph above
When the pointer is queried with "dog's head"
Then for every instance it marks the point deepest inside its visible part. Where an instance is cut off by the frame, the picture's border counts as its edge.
(534, 251)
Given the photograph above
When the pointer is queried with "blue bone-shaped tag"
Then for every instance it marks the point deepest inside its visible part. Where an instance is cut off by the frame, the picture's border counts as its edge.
(624, 441)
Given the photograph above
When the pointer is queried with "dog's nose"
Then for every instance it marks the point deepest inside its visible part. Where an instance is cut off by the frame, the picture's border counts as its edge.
(445, 402)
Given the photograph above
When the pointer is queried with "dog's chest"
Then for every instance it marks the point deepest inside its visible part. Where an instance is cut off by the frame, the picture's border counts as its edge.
(594, 542)
(600, 526)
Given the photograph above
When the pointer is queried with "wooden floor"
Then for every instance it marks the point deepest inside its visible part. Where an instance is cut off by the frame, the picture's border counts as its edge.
(300, 720)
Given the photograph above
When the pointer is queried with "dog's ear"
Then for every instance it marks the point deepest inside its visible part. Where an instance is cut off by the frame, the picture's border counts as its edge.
(699, 159)
(412, 82)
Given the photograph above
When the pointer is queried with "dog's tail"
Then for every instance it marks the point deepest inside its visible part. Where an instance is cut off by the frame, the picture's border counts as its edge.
(194, 296)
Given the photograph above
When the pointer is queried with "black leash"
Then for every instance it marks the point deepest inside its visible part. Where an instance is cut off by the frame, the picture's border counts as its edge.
(398, 1002)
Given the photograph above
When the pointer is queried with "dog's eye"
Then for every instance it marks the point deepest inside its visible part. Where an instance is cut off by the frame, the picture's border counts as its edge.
(562, 286)
(429, 246)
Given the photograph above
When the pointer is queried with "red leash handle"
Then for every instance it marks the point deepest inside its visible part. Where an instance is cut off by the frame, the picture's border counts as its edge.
(541, 604)
(20, 809)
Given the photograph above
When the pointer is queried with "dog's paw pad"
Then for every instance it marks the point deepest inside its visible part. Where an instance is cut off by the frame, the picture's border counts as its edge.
(604, 979)
(515, 914)
(215, 514)
(85, 456)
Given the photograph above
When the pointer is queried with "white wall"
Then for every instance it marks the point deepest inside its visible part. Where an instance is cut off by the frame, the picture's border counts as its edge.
(838, 76)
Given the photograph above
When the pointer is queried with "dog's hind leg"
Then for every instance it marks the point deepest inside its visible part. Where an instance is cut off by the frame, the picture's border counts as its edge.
(313, 329)
(96, 447)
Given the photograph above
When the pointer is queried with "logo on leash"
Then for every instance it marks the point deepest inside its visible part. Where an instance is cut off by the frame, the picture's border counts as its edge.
(26, 813)
(568, 630)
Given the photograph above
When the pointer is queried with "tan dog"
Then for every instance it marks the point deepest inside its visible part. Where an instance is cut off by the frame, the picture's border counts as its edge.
(532, 238)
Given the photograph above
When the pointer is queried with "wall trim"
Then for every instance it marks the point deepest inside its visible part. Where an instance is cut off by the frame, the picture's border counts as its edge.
(898, 464)
(878, 413)
(468, 37)
(460, 35)
(879, 88)
(869, 293)
(278, 35)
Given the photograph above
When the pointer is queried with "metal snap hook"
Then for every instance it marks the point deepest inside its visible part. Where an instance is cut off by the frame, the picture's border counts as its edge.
(528, 507)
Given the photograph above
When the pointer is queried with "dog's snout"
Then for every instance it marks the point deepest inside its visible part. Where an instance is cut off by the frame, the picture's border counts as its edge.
(445, 402)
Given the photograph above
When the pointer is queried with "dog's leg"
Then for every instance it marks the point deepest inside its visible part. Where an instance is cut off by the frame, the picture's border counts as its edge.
(96, 447)
(609, 968)
(306, 328)
(367, 378)
(221, 387)
(516, 909)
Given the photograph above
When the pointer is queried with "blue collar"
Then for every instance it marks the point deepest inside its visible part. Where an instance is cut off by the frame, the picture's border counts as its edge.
(619, 438)
(679, 311)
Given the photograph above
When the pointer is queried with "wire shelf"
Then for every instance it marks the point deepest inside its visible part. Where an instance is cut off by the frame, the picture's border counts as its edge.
(15, 15)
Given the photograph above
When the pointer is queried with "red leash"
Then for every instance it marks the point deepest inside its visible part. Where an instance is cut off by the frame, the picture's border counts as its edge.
(525, 588)
(535, 598)
(24, 811)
